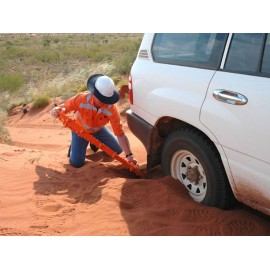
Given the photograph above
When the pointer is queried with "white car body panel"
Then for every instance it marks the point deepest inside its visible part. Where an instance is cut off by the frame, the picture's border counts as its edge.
(243, 130)
(171, 97)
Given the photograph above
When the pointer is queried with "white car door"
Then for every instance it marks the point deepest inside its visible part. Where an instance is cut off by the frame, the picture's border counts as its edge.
(237, 111)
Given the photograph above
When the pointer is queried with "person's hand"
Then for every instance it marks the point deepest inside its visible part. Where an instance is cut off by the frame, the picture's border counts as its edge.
(132, 160)
(54, 111)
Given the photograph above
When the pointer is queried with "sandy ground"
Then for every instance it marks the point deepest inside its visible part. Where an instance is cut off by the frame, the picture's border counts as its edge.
(41, 194)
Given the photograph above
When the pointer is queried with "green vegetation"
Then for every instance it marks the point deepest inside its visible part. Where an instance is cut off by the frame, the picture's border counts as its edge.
(41, 101)
(11, 82)
(36, 68)
(4, 135)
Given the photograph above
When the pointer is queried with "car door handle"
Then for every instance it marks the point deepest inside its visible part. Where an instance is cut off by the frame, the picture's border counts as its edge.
(229, 97)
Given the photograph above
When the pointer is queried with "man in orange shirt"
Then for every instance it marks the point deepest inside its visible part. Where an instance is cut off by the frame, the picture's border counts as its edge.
(93, 111)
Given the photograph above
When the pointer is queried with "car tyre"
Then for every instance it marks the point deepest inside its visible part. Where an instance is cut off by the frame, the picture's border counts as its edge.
(190, 157)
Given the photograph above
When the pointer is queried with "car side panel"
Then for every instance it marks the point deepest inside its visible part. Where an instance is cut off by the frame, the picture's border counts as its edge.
(177, 92)
(243, 131)
(251, 177)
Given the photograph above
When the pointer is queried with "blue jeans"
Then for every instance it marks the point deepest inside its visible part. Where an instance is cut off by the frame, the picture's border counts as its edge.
(79, 145)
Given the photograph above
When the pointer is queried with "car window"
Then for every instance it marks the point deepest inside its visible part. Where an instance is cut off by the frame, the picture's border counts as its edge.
(197, 50)
(266, 57)
(244, 53)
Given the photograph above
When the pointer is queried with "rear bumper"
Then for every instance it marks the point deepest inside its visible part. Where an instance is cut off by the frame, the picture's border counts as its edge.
(140, 128)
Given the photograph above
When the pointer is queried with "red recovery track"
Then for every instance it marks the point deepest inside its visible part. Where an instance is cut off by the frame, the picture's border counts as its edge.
(68, 122)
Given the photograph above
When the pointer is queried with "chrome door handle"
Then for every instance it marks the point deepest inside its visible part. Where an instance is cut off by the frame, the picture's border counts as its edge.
(229, 97)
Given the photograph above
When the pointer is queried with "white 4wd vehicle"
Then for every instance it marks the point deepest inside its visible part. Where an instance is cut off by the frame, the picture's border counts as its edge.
(200, 104)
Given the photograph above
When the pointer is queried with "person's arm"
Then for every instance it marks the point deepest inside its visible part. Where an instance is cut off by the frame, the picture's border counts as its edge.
(69, 105)
(124, 143)
(121, 137)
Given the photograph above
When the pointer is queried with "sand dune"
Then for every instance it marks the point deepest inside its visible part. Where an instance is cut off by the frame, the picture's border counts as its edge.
(41, 194)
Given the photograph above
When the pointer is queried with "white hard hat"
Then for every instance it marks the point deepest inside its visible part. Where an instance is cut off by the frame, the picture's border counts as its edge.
(103, 88)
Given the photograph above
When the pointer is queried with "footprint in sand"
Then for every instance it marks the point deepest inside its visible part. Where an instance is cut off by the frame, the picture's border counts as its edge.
(148, 227)
(240, 227)
(10, 232)
(52, 207)
(71, 200)
(132, 195)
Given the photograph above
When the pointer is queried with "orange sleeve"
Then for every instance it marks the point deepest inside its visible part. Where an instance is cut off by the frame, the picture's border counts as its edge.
(73, 104)
(116, 122)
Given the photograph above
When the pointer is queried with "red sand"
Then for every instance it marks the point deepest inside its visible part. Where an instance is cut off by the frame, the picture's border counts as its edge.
(41, 194)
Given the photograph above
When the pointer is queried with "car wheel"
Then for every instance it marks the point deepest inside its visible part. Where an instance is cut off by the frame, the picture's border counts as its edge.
(189, 156)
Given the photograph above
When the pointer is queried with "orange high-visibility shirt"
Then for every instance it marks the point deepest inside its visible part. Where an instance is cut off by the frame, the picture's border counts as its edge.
(91, 118)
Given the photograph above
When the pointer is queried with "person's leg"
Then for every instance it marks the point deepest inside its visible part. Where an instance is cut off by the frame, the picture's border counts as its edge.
(105, 136)
(78, 150)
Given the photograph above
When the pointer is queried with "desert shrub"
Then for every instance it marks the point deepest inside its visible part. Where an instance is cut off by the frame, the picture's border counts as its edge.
(3, 116)
(4, 101)
(46, 42)
(101, 56)
(11, 82)
(8, 44)
(56, 40)
(2, 63)
(82, 88)
(47, 57)
(12, 52)
(4, 135)
(122, 64)
(41, 101)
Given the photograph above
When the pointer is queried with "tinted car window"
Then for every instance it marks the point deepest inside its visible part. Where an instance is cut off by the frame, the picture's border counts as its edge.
(197, 50)
(244, 53)
(266, 57)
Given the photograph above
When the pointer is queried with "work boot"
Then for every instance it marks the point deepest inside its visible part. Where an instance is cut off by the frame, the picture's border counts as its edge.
(93, 147)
